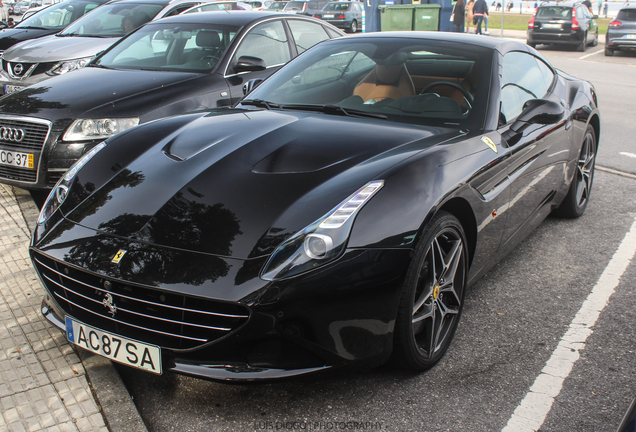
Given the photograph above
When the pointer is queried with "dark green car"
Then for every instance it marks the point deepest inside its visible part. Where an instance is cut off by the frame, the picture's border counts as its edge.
(345, 15)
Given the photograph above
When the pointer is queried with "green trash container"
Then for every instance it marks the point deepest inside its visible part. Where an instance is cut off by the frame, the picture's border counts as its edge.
(426, 17)
(396, 17)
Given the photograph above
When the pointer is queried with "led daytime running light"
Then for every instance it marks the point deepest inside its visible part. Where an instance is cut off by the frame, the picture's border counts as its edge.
(342, 214)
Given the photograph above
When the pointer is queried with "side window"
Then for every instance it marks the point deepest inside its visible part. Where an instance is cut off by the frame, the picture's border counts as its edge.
(522, 79)
(267, 41)
(306, 34)
(546, 72)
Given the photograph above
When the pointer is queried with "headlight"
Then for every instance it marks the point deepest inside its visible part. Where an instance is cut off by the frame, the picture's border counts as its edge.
(320, 242)
(60, 191)
(69, 65)
(92, 129)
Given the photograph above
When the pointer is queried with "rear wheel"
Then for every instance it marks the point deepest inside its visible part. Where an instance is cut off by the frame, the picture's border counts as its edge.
(581, 47)
(354, 26)
(533, 45)
(609, 52)
(578, 196)
(432, 296)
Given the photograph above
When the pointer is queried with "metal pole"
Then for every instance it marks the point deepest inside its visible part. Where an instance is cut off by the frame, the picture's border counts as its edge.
(503, 11)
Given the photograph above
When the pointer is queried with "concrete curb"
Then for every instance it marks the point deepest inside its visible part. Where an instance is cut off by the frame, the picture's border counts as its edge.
(119, 411)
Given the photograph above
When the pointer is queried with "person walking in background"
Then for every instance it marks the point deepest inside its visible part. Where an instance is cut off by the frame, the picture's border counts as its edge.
(4, 13)
(458, 15)
(605, 8)
(480, 10)
(469, 14)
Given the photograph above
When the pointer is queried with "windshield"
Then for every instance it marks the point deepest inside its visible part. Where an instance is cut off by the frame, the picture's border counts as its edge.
(113, 20)
(337, 7)
(182, 47)
(406, 80)
(59, 16)
(277, 5)
(555, 13)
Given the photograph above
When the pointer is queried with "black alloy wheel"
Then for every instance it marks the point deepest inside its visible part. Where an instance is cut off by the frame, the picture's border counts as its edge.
(433, 295)
(578, 196)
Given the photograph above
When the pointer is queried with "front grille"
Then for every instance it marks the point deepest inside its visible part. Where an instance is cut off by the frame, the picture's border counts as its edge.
(35, 134)
(146, 314)
(9, 67)
(53, 177)
(18, 174)
(43, 68)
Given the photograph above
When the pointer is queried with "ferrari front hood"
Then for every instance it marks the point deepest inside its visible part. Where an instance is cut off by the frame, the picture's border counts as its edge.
(237, 184)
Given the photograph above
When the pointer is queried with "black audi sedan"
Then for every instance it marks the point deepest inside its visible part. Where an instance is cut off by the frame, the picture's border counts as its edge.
(621, 31)
(167, 67)
(335, 216)
(46, 22)
(563, 23)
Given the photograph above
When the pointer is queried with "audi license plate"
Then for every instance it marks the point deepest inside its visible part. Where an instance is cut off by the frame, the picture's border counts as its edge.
(22, 160)
(11, 88)
(120, 349)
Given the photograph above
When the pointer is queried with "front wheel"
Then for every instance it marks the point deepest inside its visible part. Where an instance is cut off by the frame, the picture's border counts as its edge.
(354, 26)
(595, 41)
(432, 296)
(578, 196)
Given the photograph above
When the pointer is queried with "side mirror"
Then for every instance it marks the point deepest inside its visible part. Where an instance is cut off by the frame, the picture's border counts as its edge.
(249, 64)
(535, 111)
(251, 85)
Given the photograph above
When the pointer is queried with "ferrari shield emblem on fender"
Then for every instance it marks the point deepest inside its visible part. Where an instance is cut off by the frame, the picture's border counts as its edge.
(490, 144)
(118, 256)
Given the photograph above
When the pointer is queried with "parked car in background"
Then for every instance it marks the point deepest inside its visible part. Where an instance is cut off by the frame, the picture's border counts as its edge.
(48, 21)
(21, 7)
(276, 6)
(10, 8)
(343, 14)
(564, 23)
(172, 66)
(621, 31)
(309, 7)
(74, 47)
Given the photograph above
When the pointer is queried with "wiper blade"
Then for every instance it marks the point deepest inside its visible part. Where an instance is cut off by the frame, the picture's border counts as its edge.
(260, 103)
(335, 109)
(33, 27)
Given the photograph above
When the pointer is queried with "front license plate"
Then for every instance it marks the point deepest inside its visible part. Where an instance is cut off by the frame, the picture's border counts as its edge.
(23, 160)
(120, 349)
(11, 88)
(328, 16)
(552, 26)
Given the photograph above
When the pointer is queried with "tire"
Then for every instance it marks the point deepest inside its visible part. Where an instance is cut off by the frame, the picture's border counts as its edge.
(575, 202)
(432, 296)
(354, 26)
(609, 52)
(532, 45)
(581, 47)
(595, 41)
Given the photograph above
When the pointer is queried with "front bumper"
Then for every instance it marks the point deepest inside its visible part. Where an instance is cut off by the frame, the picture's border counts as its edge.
(338, 315)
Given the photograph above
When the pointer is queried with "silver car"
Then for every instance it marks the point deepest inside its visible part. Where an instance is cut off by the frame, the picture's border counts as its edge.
(75, 46)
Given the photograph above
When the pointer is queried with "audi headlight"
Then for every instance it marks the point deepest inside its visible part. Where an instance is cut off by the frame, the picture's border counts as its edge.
(60, 191)
(69, 65)
(92, 129)
(322, 241)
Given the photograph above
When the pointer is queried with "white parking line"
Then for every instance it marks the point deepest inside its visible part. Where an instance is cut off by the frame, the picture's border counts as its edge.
(531, 413)
(631, 155)
(591, 54)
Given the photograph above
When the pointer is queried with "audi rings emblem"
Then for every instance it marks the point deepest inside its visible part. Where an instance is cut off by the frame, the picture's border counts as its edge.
(18, 69)
(11, 134)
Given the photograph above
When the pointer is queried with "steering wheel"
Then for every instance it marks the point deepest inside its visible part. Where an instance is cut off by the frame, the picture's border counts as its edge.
(467, 96)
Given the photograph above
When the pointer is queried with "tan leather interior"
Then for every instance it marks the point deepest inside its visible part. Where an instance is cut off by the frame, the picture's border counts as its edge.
(385, 81)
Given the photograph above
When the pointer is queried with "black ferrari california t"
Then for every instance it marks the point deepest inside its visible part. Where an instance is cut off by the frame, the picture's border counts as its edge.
(335, 216)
